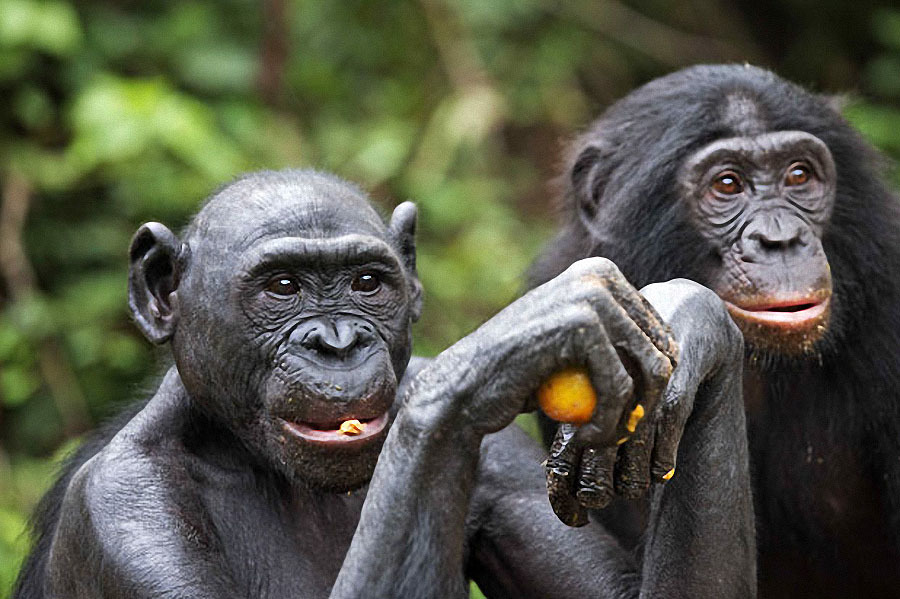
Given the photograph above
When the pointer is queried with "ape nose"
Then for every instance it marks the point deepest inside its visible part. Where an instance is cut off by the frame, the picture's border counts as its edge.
(774, 238)
(774, 241)
(333, 337)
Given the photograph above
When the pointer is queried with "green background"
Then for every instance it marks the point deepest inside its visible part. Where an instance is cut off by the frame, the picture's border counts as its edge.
(119, 112)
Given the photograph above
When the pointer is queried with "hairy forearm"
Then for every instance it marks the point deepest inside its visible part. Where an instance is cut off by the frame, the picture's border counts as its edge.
(410, 538)
(700, 537)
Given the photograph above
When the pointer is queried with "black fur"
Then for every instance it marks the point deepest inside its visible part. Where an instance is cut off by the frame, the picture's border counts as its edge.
(825, 428)
(227, 483)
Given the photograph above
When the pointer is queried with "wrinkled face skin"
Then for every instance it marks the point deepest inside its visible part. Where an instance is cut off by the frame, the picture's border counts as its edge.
(763, 201)
(294, 325)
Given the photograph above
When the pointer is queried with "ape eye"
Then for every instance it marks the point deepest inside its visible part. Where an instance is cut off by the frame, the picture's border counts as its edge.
(798, 174)
(728, 183)
(367, 282)
(283, 287)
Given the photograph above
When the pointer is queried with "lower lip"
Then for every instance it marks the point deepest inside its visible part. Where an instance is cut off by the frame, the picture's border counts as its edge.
(334, 436)
(781, 318)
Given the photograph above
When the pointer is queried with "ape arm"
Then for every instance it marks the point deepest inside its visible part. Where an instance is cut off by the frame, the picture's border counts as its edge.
(699, 542)
(411, 536)
(426, 478)
(701, 533)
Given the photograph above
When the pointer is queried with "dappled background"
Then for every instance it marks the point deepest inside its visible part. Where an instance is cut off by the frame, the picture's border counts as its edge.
(121, 111)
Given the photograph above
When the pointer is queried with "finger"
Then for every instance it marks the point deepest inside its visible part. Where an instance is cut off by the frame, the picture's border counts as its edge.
(614, 388)
(561, 468)
(641, 356)
(632, 470)
(645, 316)
(650, 370)
(677, 404)
(595, 477)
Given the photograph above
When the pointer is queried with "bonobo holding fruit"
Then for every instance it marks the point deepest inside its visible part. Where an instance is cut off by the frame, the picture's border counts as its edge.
(737, 179)
(287, 303)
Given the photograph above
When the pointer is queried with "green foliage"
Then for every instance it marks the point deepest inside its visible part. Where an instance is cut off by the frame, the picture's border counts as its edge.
(119, 113)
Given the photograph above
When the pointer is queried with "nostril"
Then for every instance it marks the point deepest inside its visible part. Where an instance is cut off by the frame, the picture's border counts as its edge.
(771, 244)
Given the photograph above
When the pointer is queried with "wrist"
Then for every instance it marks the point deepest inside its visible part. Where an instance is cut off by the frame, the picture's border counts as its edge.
(434, 423)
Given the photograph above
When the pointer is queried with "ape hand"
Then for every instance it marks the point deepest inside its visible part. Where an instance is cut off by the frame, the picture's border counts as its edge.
(589, 316)
(586, 470)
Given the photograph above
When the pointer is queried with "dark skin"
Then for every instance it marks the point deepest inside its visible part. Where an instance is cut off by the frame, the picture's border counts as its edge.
(761, 191)
(288, 307)
(764, 201)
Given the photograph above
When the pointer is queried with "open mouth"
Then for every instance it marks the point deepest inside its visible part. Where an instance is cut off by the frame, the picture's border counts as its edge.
(343, 433)
(785, 314)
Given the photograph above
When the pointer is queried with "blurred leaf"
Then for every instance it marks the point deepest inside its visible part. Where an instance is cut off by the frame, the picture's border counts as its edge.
(880, 124)
(33, 107)
(886, 26)
(43, 25)
(17, 384)
(883, 74)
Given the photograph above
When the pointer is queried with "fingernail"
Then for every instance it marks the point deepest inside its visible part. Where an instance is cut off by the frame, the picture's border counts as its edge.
(636, 414)
(669, 474)
(622, 440)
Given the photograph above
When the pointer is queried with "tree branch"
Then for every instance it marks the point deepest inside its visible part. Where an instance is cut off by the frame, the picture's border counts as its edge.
(20, 279)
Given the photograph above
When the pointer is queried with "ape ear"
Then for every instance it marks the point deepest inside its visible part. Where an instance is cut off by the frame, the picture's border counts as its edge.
(587, 186)
(158, 260)
(402, 230)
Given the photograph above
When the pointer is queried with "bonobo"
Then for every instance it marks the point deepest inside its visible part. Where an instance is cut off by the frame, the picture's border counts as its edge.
(746, 183)
(288, 304)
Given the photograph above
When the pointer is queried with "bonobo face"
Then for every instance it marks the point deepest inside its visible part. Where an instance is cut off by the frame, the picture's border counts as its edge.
(763, 201)
(295, 312)
(326, 316)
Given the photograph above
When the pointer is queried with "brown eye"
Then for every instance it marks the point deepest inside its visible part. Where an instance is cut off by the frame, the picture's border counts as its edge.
(283, 287)
(797, 174)
(367, 282)
(728, 183)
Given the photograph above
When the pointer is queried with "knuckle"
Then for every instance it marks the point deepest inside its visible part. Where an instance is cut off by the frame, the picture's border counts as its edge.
(598, 272)
(582, 319)
(589, 434)
(594, 497)
(660, 371)
(632, 485)
(669, 407)
(595, 265)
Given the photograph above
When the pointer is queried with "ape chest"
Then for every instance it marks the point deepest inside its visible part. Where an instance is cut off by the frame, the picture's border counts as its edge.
(286, 552)
(815, 490)
(828, 486)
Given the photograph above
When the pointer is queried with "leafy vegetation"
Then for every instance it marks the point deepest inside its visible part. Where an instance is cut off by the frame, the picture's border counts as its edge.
(121, 112)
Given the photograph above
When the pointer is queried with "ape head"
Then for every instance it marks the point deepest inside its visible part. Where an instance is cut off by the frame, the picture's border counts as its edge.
(744, 182)
(288, 303)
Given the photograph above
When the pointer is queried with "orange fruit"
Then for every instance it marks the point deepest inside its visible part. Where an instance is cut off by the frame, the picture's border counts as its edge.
(568, 396)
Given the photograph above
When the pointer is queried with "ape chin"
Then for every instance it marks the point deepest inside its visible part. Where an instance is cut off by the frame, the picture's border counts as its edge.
(329, 466)
(773, 334)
